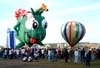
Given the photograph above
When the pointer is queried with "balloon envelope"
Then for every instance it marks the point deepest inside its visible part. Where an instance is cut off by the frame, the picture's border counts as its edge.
(73, 32)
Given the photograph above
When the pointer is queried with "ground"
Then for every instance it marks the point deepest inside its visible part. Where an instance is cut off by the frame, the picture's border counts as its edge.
(6, 63)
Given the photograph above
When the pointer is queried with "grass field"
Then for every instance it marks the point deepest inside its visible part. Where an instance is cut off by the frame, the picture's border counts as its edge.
(43, 64)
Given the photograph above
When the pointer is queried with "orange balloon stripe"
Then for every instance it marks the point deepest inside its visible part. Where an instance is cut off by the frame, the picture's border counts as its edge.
(71, 33)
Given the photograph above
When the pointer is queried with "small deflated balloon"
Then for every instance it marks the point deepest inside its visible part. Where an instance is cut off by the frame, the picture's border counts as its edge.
(73, 32)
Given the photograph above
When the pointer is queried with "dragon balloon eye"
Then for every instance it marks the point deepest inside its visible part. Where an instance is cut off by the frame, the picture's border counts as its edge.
(35, 24)
(44, 23)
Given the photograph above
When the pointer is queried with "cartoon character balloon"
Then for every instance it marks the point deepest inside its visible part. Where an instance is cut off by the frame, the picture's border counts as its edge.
(73, 32)
(31, 26)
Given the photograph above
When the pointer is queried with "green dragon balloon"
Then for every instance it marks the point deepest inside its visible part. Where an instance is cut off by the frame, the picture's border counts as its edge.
(31, 26)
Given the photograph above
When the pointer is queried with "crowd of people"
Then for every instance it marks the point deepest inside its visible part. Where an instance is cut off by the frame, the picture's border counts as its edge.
(76, 55)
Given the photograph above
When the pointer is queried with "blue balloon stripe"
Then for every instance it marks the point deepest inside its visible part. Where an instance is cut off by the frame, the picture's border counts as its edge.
(83, 32)
(62, 30)
(65, 33)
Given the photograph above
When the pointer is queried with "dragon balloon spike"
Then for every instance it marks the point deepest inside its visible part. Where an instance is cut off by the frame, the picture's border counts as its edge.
(31, 26)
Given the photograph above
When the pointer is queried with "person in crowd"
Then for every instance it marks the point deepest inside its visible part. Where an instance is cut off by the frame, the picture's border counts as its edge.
(42, 53)
(29, 56)
(13, 53)
(76, 56)
(23, 50)
(30, 59)
(1, 52)
(28, 51)
(10, 54)
(59, 53)
(17, 53)
(93, 54)
(66, 54)
(52, 54)
(55, 55)
(71, 53)
(36, 54)
(49, 55)
(79, 50)
(46, 53)
(25, 58)
(98, 53)
(39, 51)
(88, 58)
(5, 53)
(83, 55)
(32, 52)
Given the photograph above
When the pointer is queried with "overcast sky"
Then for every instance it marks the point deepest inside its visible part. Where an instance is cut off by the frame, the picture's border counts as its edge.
(60, 11)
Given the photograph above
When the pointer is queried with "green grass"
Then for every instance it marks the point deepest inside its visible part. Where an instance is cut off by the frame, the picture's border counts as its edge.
(62, 64)
(44, 63)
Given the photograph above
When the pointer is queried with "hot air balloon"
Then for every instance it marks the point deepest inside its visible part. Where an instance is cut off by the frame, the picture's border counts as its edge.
(31, 26)
(73, 32)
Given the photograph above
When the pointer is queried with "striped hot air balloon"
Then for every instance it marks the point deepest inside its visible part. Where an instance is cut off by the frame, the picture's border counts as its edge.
(73, 32)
